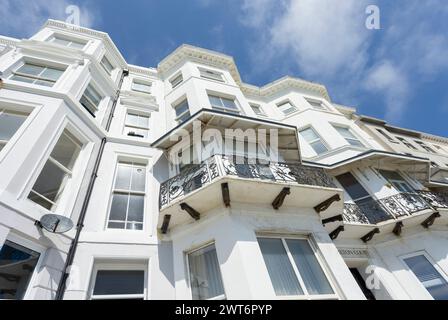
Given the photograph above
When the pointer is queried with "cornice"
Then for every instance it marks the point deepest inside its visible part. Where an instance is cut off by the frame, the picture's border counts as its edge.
(108, 43)
(149, 72)
(200, 55)
(8, 41)
(286, 82)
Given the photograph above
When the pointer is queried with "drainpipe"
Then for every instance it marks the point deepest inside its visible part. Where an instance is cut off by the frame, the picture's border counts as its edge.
(74, 245)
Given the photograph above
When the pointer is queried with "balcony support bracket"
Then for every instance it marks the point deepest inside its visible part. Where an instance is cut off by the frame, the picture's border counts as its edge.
(398, 228)
(370, 235)
(193, 213)
(278, 201)
(430, 221)
(332, 219)
(166, 223)
(327, 203)
(335, 233)
(225, 194)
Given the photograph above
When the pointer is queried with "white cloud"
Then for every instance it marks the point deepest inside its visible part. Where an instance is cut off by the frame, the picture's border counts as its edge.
(392, 83)
(328, 42)
(23, 18)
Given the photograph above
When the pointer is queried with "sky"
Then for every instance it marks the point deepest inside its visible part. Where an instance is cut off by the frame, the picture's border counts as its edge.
(398, 72)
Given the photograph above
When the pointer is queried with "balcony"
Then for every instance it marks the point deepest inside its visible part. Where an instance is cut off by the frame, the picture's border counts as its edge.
(407, 209)
(249, 182)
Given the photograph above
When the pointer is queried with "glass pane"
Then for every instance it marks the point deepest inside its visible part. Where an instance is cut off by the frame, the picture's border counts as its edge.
(61, 42)
(123, 180)
(228, 103)
(22, 79)
(91, 108)
(309, 135)
(282, 274)
(355, 142)
(184, 117)
(93, 95)
(116, 225)
(136, 208)
(141, 87)
(309, 268)
(319, 147)
(138, 179)
(118, 207)
(66, 150)
(428, 276)
(205, 275)
(31, 69)
(132, 120)
(17, 265)
(50, 182)
(134, 226)
(44, 83)
(317, 105)
(107, 65)
(113, 282)
(9, 124)
(215, 101)
(182, 107)
(352, 186)
(77, 45)
(143, 121)
(52, 74)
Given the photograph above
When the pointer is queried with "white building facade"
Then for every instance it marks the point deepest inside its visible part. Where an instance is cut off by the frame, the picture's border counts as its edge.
(352, 207)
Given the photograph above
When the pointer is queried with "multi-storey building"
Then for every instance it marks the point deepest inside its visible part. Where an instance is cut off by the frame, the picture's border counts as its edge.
(351, 208)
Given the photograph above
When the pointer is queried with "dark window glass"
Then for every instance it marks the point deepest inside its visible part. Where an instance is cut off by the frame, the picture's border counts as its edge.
(115, 282)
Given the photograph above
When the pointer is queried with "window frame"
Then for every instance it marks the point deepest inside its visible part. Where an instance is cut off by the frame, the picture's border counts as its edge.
(138, 114)
(180, 116)
(12, 237)
(321, 261)
(323, 106)
(406, 143)
(436, 266)
(93, 87)
(141, 82)
(282, 103)
(203, 72)
(425, 147)
(103, 65)
(6, 110)
(70, 40)
(256, 105)
(355, 136)
(42, 64)
(105, 266)
(223, 108)
(70, 174)
(187, 255)
(320, 139)
(174, 84)
(128, 193)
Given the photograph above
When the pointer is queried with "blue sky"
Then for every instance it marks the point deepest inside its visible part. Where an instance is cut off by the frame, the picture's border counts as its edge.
(398, 72)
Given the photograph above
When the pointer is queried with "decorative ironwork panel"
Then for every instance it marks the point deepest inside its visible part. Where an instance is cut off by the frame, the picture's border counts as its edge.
(374, 211)
(352, 213)
(435, 199)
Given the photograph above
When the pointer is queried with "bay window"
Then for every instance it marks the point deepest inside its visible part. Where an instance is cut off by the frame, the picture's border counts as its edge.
(294, 268)
(10, 122)
(37, 74)
(128, 197)
(205, 274)
(57, 171)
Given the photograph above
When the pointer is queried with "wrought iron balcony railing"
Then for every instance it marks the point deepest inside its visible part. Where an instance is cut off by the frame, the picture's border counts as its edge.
(393, 207)
(197, 175)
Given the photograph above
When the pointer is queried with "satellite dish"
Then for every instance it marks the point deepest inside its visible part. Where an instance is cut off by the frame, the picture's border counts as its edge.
(55, 223)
